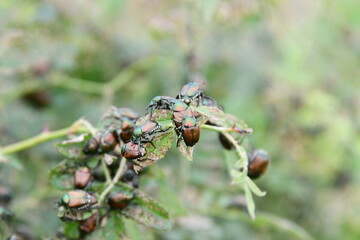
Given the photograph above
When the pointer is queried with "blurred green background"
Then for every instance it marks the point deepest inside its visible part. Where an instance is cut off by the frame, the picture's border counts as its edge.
(290, 69)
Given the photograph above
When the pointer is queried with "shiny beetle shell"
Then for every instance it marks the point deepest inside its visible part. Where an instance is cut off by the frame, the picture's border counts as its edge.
(258, 163)
(120, 200)
(127, 129)
(148, 128)
(93, 145)
(77, 199)
(189, 92)
(179, 106)
(108, 141)
(82, 178)
(132, 151)
(160, 102)
(89, 224)
(190, 131)
(225, 142)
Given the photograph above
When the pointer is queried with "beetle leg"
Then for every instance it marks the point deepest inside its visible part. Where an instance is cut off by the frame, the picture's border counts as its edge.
(179, 138)
(144, 159)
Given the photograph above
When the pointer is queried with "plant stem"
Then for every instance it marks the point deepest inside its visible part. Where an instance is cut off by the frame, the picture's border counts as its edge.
(223, 129)
(106, 171)
(116, 178)
(77, 127)
(76, 84)
(240, 152)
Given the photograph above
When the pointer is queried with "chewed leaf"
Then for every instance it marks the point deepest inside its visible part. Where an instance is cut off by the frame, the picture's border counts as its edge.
(148, 212)
(144, 209)
(114, 228)
(61, 176)
(212, 114)
(159, 115)
(185, 150)
(150, 204)
(254, 188)
(162, 143)
(73, 148)
(61, 182)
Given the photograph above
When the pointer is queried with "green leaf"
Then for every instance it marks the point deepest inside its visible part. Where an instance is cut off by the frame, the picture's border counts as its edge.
(114, 228)
(73, 148)
(233, 121)
(61, 176)
(71, 230)
(170, 198)
(237, 177)
(133, 230)
(213, 114)
(148, 212)
(93, 161)
(254, 188)
(75, 215)
(249, 202)
(162, 142)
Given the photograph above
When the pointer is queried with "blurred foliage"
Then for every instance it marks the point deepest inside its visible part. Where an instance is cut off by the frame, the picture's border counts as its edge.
(288, 68)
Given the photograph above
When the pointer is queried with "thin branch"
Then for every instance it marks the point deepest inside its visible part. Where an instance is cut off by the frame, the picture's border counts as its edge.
(77, 127)
(81, 85)
(76, 84)
(226, 129)
(116, 178)
(106, 170)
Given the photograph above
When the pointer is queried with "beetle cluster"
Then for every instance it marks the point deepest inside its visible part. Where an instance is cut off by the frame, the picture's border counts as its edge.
(80, 204)
(122, 133)
(183, 115)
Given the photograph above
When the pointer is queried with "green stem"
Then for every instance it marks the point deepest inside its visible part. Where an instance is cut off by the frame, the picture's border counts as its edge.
(76, 84)
(116, 178)
(225, 131)
(23, 89)
(106, 170)
(80, 85)
(77, 127)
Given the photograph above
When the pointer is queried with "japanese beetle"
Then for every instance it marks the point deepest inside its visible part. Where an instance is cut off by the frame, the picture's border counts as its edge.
(88, 225)
(130, 177)
(133, 151)
(82, 178)
(108, 141)
(159, 102)
(120, 200)
(258, 163)
(190, 131)
(76, 205)
(208, 101)
(93, 145)
(225, 142)
(143, 132)
(77, 200)
(189, 92)
(127, 129)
